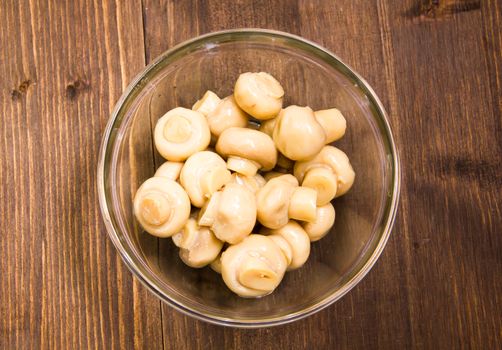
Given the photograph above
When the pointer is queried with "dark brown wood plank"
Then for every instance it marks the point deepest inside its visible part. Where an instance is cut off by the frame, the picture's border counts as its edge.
(449, 134)
(64, 64)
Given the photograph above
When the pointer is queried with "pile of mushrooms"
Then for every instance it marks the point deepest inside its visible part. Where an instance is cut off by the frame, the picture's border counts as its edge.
(249, 207)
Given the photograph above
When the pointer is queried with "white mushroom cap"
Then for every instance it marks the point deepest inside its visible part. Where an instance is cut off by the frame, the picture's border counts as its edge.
(297, 134)
(180, 133)
(325, 219)
(198, 245)
(161, 206)
(203, 174)
(273, 199)
(252, 183)
(336, 160)
(297, 238)
(231, 214)
(247, 150)
(171, 170)
(254, 267)
(207, 103)
(259, 94)
(227, 114)
(333, 123)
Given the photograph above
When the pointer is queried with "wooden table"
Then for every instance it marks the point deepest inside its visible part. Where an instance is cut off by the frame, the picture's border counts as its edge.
(436, 65)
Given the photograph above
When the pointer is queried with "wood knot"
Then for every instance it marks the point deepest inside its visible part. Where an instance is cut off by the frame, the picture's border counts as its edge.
(438, 9)
(73, 89)
(20, 90)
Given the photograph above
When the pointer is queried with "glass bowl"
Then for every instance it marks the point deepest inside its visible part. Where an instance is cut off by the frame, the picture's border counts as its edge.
(310, 75)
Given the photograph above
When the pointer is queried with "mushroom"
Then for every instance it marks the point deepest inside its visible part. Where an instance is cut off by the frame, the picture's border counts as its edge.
(161, 206)
(247, 150)
(297, 239)
(203, 174)
(231, 213)
(333, 123)
(324, 181)
(332, 159)
(226, 115)
(254, 267)
(171, 170)
(325, 219)
(198, 245)
(207, 103)
(267, 126)
(259, 94)
(180, 133)
(297, 134)
(216, 264)
(252, 183)
(281, 199)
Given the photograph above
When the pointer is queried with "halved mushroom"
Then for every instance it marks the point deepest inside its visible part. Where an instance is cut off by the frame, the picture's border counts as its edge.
(252, 183)
(207, 103)
(231, 213)
(331, 158)
(297, 134)
(161, 206)
(325, 219)
(298, 240)
(333, 123)
(180, 133)
(247, 150)
(171, 170)
(259, 94)
(203, 174)
(227, 114)
(254, 267)
(198, 245)
(281, 199)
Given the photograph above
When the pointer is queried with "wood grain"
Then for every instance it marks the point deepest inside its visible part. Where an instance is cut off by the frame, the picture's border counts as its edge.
(437, 65)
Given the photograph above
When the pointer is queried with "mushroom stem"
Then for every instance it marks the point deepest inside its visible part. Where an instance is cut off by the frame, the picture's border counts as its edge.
(324, 181)
(302, 205)
(155, 208)
(215, 179)
(209, 211)
(243, 166)
(256, 274)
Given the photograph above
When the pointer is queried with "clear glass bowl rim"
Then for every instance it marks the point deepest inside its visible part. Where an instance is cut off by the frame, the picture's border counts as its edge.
(145, 275)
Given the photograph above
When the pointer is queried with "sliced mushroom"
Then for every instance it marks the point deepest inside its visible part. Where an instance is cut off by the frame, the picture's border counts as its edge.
(247, 150)
(254, 267)
(325, 219)
(207, 103)
(203, 174)
(198, 245)
(281, 199)
(171, 170)
(259, 94)
(161, 206)
(227, 114)
(297, 134)
(252, 183)
(180, 133)
(332, 158)
(298, 240)
(333, 123)
(231, 214)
